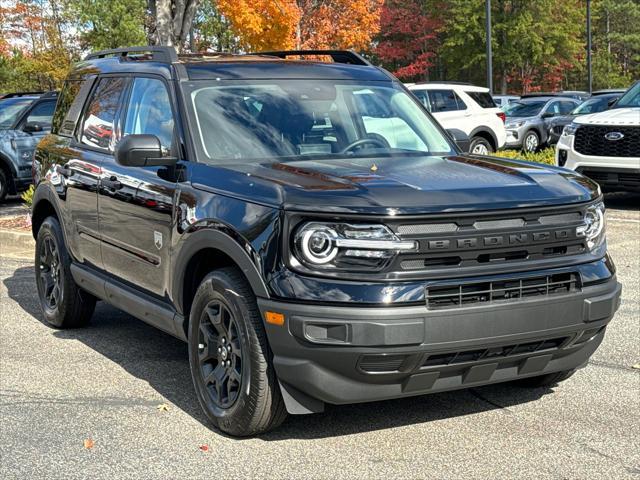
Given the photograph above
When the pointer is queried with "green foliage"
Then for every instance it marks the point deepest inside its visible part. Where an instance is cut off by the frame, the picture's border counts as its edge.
(27, 196)
(213, 30)
(108, 23)
(543, 156)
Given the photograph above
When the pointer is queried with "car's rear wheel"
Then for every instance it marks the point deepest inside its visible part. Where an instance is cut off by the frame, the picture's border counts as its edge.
(230, 357)
(531, 142)
(64, 304)
(548, 380)
(480, 146)
(4, 184)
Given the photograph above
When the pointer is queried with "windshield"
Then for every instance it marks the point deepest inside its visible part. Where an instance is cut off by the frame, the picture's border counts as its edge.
(631, 98)
(296, 119)
(10, 109)
(593, 105)
(523, 109)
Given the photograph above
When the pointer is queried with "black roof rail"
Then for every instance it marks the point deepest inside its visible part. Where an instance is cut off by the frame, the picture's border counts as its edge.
(20, 94)
(159, 53)
(338, 56)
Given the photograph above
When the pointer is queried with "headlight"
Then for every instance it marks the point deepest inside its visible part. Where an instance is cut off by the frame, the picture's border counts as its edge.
(594, 226)
(515, 125)
(570, 129)
(348, 247)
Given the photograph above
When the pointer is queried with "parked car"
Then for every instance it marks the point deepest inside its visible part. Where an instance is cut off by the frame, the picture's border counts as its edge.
(24, 119)
(467, 108)
(502, 100)
(605, 146)
(242, 205)
(575, 94)
(529, 119)
(597, 103)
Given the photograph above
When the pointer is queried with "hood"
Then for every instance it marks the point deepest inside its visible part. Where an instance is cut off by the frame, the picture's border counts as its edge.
(398, 185)
(615, 116)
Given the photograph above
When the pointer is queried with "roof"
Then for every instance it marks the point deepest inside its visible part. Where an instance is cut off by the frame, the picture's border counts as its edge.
(467, 87)
(346, 65)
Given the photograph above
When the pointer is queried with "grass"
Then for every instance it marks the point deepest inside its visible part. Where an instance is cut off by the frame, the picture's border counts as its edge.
(543, 156)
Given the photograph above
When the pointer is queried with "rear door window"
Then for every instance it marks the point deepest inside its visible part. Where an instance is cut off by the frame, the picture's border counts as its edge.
(100, 115)
(484, 99)
(445, 101)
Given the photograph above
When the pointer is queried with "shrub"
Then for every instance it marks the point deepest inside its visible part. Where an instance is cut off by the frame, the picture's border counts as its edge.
(543, 156)
(27, 196)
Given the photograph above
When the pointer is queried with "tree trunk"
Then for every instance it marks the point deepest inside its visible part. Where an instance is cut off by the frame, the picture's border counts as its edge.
(171, 22)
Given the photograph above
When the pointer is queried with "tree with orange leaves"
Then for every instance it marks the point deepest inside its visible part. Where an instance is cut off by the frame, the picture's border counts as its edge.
(262, 24)
(311, 24)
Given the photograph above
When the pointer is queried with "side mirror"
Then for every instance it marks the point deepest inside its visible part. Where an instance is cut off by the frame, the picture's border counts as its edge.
(141, 151)
(612, 102)
(460, 138)
(548, 115)
(32, 127)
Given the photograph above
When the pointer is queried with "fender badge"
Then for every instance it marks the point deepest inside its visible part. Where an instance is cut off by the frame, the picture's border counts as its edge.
(157, 239)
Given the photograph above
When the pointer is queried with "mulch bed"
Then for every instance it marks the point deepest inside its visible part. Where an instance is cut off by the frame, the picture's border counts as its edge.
(19, 223)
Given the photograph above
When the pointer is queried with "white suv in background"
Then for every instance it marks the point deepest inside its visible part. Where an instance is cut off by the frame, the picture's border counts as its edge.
(605, 146)
(465, 107)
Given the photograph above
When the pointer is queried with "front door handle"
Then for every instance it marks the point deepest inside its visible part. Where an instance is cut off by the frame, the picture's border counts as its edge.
(112, 183)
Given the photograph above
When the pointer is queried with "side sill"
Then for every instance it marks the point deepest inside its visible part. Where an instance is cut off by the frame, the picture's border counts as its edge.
(137, 304)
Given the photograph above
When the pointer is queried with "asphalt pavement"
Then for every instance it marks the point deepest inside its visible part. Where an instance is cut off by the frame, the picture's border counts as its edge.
(124, 388)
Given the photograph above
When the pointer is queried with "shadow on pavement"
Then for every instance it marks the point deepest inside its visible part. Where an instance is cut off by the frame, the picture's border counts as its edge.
(161, 361)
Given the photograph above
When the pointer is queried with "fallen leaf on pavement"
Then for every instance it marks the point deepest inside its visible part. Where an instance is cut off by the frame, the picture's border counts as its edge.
(636, 366)
(204, 448)
(88, 443)
(163, 407)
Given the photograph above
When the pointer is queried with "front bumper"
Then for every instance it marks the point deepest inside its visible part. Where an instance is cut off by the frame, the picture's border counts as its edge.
(611, 173)
(346, 354)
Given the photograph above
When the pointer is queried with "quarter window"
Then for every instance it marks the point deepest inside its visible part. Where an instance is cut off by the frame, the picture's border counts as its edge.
(149, 111)
(99, 118)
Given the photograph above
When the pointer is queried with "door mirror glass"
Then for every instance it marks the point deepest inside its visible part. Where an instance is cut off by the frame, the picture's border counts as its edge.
(548, 115)
(32, 127)
(141, 150)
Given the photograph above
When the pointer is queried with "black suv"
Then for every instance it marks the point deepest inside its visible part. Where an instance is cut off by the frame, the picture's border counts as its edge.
(311, 232)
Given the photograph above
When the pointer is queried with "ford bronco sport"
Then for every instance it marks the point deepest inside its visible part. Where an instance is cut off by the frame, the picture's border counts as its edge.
(311, 232)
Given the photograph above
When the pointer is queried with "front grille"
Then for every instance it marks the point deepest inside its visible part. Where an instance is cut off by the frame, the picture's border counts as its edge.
(590, 140)
(557, 129)
(490, 240)
(474, 293)
(453, 358)
(611, 177)
(381, 363)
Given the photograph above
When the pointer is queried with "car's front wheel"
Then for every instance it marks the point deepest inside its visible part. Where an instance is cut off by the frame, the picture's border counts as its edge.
(64, 304)
(4, 185)
(480, 146)
(230, 357)
(531, 142)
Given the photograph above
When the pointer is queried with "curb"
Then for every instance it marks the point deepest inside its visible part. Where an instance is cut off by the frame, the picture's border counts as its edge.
(14, 240)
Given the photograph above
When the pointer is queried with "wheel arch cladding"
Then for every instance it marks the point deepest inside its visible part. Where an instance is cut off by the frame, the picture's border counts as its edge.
(43, 207)
(486, 134)
(204, 251)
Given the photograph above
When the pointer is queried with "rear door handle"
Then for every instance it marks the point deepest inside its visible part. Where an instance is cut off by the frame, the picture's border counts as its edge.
(112, 183)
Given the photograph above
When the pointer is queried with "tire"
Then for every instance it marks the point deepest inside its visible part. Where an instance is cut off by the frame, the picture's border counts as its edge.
(4, 185)
(237, 388)
(548, 380)
(480, 146)
(71, 307)
(531, 142)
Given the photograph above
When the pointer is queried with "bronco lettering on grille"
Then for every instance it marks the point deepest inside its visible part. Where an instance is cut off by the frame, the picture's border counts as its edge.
(507, 239)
